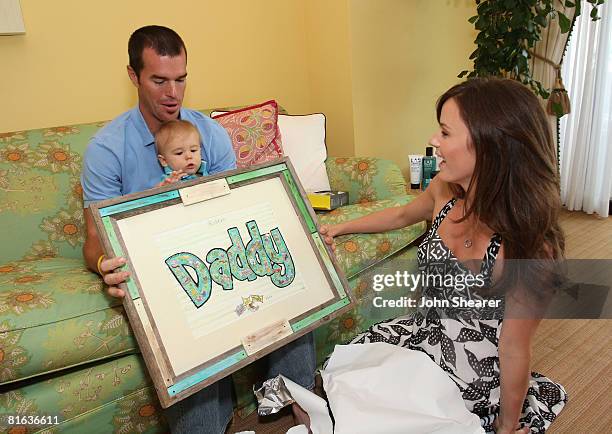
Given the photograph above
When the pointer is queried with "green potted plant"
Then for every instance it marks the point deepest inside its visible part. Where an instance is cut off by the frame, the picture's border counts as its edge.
(508, 31)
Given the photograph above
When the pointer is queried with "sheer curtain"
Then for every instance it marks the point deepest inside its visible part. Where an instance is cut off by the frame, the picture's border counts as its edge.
(586, 133)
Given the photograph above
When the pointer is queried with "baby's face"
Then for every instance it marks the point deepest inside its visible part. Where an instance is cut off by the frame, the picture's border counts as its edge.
(181, 152)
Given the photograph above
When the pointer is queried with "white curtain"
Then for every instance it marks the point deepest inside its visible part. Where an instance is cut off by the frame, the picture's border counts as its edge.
(586, 133)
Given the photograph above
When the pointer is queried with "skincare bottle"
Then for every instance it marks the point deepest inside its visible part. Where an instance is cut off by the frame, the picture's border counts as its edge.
(426, 182)
(415, 170)
(429, 165)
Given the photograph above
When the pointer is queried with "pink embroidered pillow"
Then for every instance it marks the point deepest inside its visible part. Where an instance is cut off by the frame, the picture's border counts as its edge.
(254, 133)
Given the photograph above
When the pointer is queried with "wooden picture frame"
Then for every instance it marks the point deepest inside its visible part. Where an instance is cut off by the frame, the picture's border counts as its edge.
(201, 310)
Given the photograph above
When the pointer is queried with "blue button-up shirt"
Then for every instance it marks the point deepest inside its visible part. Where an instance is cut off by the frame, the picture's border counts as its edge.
(121, 158)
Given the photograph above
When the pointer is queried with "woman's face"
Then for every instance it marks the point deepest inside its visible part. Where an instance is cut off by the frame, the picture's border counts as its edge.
(452, 143)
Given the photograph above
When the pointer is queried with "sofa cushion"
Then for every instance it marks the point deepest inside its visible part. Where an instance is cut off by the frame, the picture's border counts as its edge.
(304, 144)
(254, 133)
(357, 252)
(53, 315)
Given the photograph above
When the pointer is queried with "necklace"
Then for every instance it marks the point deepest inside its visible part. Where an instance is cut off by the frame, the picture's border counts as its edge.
(467, 243)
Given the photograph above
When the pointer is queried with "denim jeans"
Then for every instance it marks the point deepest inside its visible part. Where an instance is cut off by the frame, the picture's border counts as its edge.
(210, 410)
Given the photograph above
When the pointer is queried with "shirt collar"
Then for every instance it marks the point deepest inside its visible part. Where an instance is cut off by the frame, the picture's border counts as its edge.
(146, 138)
(145, 135)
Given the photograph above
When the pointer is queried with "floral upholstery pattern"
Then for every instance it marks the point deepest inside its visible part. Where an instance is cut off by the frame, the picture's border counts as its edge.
(365, 179)
(41, 201)
(76, 398)
(66, 349)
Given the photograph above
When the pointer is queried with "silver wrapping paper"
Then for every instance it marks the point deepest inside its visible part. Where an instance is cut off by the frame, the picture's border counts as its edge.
(272, 396)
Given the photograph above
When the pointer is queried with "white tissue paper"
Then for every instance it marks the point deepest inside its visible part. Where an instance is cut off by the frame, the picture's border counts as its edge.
(384, 389)
(315, 406)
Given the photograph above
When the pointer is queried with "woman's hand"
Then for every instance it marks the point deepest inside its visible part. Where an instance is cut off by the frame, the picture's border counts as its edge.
(172, 178)
(113, 276)
(501, 429)
(328, 232)
(524, 430)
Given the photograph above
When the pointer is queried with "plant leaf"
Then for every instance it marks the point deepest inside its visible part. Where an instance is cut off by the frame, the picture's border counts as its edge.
(564, 22)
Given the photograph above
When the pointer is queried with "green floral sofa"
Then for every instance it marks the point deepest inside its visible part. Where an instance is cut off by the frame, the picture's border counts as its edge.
(66, 349)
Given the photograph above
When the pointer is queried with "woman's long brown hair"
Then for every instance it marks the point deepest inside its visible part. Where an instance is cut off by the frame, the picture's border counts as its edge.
(515, 186)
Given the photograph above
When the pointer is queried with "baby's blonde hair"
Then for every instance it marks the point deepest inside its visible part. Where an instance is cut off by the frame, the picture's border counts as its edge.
(173, 128)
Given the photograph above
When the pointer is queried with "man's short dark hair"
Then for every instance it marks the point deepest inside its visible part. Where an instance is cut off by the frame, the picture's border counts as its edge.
(164, 41)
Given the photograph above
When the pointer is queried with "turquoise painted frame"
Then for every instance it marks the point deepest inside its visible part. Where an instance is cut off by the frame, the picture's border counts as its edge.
(105, 214)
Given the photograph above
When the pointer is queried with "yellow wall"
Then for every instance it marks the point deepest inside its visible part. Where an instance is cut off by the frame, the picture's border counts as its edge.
(405, 54)
(374, 67)
(69, 67)
(328, 32)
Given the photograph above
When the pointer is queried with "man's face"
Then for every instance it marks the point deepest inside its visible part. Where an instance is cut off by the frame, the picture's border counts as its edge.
(161, 86)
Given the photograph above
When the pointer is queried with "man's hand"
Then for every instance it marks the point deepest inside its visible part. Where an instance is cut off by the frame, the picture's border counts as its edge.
(172, 178)
(113, 276)
(107, 268)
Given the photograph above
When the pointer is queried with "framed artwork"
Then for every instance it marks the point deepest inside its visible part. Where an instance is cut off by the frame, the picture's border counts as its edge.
(224, 270)
(11, 18)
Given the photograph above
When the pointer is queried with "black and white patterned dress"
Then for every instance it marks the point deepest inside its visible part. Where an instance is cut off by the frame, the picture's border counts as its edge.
(463, 341)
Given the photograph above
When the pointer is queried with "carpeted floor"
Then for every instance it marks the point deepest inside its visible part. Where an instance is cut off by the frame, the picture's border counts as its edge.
(578, 355)
(275, 424)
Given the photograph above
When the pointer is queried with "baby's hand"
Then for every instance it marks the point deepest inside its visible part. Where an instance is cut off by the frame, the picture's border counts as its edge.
(172, 178)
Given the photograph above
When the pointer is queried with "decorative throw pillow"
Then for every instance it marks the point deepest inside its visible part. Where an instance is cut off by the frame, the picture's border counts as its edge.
(254, 133)
(304, 144)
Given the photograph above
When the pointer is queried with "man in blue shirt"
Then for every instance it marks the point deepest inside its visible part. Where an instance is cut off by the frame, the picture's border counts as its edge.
(121, 158)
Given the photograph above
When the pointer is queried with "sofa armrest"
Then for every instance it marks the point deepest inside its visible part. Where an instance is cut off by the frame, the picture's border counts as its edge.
(366, 179)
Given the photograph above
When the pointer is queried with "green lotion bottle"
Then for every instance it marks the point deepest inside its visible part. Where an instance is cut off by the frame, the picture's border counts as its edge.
(429, 166)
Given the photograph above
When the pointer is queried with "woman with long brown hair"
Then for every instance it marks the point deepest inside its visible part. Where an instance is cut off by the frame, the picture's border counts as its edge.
(494, 207)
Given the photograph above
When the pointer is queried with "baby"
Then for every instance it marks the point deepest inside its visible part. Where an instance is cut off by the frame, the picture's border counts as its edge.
(179, 152)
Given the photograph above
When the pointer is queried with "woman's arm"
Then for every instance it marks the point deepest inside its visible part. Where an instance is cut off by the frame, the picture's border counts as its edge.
(526, 305)
(514, 359)
(389, 219)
